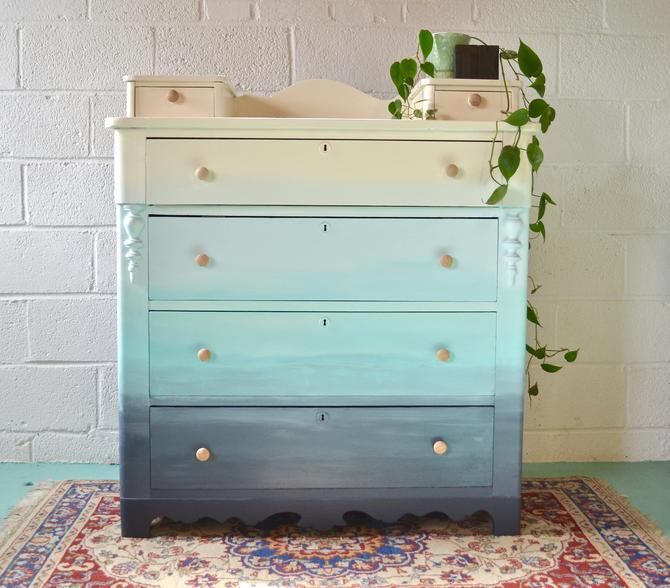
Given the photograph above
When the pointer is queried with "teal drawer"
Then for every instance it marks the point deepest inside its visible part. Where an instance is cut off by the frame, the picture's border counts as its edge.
(307, 353)
(320, 448)
(322, 258)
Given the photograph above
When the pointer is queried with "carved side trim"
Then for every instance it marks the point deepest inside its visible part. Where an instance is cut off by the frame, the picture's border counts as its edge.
(133, 226)
(511, 245)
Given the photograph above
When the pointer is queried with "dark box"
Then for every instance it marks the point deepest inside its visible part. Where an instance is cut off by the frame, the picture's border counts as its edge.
(477, 62)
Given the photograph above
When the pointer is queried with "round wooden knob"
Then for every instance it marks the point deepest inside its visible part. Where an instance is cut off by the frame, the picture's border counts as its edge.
(439, 447)
(204, 354)
(203, 454)
(443, 354)
(475, 100)
(172, 96)
(202, 259)
(202, 173)
(452, 170)
(446, 260)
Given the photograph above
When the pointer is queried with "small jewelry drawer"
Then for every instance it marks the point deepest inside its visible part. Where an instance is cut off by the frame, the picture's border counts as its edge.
(354, 354)
(174, 101)
(318, 172)
(236, 447)
(333, 258)
(458, 105)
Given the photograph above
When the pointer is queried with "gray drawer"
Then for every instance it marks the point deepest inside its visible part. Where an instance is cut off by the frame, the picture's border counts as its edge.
(320, 447)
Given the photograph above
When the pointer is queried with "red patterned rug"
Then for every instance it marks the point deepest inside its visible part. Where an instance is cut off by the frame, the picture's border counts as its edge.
(576, 532)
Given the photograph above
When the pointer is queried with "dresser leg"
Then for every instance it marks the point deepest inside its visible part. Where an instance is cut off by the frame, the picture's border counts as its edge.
(506, 517)
(136, 517)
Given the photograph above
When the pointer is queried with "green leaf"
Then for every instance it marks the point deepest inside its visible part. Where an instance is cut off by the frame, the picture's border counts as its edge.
(396, 74)
(508, 161)
(518, 118)
(539, 84)
(430, 114)
(428, 68)
(508, 54)
(538, 227)
(418, 113)
(533, 390)
(537, 107)
(535, 155)
(404, 91)
(548, 198)
(571, 356)
(531, 315)
(408, 69)
(529, 63)
(544, 200)
(497, 195)
(550, 367)
(547, 118)
(425, 42)
(395, 108)
(539, 353)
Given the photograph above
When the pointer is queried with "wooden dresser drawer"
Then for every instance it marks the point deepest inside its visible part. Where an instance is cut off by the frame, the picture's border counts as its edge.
(458, 105)
(320, 447)
(311, 354)
(318, 172)
(174, 101)
(308, 258)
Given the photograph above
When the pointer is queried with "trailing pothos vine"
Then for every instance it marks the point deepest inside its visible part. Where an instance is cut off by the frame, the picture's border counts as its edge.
(523, 63)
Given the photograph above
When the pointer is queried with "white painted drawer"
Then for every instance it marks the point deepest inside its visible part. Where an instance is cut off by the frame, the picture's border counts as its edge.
(311, 172)
(460, 105)
(174, 101)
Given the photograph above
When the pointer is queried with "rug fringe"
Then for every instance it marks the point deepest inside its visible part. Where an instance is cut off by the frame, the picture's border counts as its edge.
(21, 511)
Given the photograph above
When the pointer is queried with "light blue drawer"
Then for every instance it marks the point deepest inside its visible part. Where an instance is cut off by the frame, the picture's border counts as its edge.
(320, 448)
(305, 353)
(323, 258)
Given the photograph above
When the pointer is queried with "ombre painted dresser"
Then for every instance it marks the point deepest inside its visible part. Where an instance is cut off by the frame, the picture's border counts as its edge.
(317, 311)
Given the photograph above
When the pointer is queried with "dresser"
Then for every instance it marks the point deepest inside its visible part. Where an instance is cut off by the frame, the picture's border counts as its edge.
(317, 313)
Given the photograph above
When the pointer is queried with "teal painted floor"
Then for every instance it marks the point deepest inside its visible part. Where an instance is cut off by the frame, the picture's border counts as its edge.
(646, 484)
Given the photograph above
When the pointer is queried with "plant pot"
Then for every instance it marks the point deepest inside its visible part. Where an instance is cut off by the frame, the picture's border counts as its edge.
(444, 50)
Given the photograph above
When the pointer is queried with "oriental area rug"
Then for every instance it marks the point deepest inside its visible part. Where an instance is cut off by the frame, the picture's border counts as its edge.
(575, 532)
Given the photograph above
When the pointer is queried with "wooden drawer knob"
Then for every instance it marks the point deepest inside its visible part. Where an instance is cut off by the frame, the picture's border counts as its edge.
(172, 96)
(202, 173)
(204, 354)
(443, 354)
(440, 447)
(446, 260)
(475, 100)
(203, 454)
(202, 259)
(452, 170)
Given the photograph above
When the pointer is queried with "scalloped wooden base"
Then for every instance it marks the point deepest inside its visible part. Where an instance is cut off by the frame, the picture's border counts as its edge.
(138, 514)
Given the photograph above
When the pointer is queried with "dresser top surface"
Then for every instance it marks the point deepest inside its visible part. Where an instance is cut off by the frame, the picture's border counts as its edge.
(420, 129)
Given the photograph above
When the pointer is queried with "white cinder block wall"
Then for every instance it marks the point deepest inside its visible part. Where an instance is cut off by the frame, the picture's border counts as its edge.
(605, 269)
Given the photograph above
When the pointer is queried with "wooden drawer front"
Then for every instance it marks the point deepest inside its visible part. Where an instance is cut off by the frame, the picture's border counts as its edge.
(455, 105)
(159, 101)
(336, 172)
(307, 353)
(323, 259)
(320, 448)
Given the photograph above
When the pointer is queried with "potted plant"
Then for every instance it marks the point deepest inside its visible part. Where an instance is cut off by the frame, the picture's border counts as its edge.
(525, 64)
